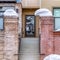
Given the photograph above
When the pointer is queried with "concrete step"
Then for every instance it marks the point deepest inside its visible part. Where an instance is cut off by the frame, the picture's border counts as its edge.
(29, 57)
(29, 45)
(29, 49)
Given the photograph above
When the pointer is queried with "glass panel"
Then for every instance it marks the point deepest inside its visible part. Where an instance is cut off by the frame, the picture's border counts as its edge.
(57, 23)
(30, 25)
(18, 1)
(1, 13)
(56, 12)
(1, 23)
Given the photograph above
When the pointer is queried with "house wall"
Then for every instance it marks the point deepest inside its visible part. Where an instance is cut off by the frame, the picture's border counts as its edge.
(30, 3)
(50, 42)
(50, 39)
(50, 4)
(30, 12)
(44, 4)
(9, 35)
(16, 6)
(11, 38)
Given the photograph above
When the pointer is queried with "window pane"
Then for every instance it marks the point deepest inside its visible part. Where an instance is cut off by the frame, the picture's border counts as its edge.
(56, 12)
(1, 23)
(1, 13)
(57, 23)
(18, 1)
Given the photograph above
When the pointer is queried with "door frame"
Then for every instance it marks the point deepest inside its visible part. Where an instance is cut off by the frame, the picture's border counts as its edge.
(30, 12)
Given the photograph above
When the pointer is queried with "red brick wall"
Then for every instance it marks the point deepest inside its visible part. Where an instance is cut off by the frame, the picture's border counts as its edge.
(11, 38)
(50, 40)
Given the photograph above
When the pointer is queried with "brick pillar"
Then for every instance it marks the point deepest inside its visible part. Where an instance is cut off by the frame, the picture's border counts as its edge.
(11, 38)
(46, 42)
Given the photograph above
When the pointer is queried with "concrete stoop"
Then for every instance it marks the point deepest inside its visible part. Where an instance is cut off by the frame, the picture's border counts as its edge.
(29, 49)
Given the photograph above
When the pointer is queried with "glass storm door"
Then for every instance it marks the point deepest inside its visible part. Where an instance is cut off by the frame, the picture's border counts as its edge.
(30, 26)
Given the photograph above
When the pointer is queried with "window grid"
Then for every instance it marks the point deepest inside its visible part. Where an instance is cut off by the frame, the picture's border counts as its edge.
(57, 19)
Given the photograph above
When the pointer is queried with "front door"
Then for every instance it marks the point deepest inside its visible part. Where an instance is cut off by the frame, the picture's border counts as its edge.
(29, 25)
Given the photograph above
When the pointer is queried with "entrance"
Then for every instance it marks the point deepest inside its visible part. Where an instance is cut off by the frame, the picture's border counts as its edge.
(29, 48)
(29, 23)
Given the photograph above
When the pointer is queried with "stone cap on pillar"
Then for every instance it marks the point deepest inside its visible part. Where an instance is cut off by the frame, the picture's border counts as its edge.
(43, 12)
(10, 13)
(52, 57)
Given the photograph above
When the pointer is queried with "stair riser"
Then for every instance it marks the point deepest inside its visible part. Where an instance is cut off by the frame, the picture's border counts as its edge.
(29, 49)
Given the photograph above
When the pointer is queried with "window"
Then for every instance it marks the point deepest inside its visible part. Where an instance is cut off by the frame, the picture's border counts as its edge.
(18, 1)
(1, 23)
(57, 18)
(1, 20)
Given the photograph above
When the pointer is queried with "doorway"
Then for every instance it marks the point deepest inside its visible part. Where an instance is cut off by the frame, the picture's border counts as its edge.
(30, 23)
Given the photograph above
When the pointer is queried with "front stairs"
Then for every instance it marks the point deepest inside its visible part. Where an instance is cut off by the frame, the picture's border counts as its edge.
(29, 49)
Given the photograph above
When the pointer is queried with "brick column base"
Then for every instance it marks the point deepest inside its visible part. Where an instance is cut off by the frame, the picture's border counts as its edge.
(11, 38)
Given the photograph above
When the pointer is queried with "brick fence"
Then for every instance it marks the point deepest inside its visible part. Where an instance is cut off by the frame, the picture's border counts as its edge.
(9, 39)
(50, 39)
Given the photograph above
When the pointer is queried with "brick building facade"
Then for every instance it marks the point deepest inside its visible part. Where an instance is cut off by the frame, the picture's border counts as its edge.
(9, 33)
(14, 28)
